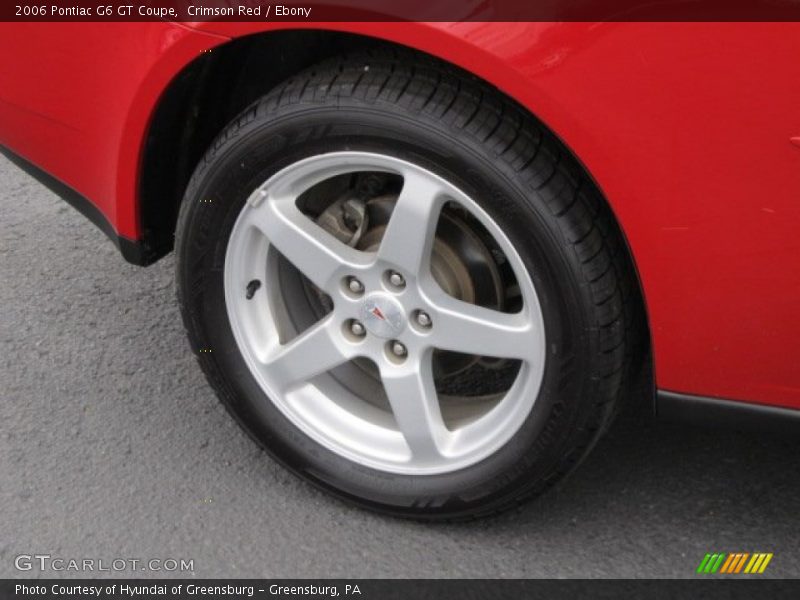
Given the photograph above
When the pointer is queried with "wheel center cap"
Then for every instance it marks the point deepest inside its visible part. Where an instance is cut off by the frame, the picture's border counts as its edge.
(383, 316)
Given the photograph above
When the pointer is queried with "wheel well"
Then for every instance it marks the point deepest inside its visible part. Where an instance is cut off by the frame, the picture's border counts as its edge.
(203, 99)
(218, 86)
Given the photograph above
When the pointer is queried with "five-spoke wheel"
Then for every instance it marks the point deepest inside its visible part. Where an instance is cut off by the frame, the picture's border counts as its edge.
(387, 308)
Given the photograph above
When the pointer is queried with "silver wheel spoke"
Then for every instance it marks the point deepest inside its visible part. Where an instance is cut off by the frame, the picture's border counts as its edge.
(408, 240)
(415, 405)
(471, 329)
(313, 251)
(313, 352)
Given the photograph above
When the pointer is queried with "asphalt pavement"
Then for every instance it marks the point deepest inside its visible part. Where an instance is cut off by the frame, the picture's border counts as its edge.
(113, 446)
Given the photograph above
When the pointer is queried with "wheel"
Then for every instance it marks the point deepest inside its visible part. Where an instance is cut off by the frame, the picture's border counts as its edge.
(405, 289)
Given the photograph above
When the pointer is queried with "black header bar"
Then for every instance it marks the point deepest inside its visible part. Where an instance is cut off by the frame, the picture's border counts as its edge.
(299, 11)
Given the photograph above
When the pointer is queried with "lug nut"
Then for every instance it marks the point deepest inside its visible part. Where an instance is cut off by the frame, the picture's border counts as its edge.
(398, 349)
(357, 329)
(355, 286)
(396, 279)
(424, 319)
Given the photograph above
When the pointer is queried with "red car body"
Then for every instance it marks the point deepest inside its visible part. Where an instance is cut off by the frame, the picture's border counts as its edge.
(689, 129)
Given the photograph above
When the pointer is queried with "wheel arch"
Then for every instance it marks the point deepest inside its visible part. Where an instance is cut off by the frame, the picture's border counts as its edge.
(217, 85)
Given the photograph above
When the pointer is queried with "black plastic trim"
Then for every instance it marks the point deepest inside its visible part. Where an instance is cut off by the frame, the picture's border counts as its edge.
(134, 251)
(725, 413)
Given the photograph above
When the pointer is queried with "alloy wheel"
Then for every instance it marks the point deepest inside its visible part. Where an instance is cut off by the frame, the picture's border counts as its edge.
(353, 341)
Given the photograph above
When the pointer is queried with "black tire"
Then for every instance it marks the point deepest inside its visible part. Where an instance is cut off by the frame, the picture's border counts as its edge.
(467, 132)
